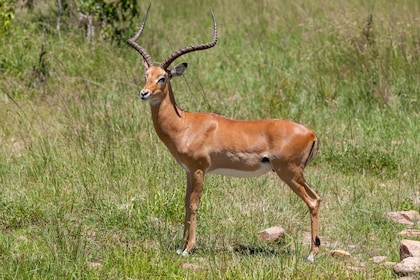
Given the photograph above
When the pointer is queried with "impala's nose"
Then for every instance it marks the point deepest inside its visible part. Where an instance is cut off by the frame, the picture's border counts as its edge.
(144, 94)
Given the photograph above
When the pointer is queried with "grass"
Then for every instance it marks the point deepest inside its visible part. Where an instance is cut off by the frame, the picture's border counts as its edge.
(88, 191)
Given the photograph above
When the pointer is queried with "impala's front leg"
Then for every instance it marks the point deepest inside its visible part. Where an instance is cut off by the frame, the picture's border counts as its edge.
(195, 182)
(187, 215)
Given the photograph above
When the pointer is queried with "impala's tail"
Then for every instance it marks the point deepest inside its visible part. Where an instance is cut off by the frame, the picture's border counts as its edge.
(312, 152)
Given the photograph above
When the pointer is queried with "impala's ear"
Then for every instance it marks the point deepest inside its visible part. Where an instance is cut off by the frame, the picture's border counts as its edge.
(178, 70)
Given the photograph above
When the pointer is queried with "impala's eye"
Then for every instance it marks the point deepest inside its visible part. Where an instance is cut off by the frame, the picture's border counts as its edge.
(161, 80)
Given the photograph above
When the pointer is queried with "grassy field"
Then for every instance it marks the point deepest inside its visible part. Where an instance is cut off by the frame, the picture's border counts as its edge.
(87, 190)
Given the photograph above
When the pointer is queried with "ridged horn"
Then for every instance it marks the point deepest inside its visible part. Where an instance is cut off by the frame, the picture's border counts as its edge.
(132, 42)
(165, 64)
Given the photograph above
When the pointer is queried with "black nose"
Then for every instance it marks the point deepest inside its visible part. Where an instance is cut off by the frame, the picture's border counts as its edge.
(144, 94)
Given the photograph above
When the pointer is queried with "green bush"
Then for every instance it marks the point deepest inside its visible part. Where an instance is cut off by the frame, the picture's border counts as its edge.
(7, 14)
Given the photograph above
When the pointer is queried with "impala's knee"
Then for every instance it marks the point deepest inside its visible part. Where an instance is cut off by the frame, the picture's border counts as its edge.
(193, 208)
(313, 205)
(317, 202)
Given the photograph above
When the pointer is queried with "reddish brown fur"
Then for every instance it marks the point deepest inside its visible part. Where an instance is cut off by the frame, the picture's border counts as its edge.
(204, 142)
(207, 143)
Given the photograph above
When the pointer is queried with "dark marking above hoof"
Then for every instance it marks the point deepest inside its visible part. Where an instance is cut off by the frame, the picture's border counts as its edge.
(317, 241)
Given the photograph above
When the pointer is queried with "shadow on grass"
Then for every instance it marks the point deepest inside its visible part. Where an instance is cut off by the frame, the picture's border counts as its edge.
(278, 249)
(251, 250)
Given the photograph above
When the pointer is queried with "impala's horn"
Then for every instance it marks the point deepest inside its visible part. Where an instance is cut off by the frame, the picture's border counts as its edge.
(132, 42)
(165, 64)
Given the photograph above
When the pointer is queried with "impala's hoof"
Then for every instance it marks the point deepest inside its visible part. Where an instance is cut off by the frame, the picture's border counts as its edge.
(183, 253)
(311, 257)
(317, 243)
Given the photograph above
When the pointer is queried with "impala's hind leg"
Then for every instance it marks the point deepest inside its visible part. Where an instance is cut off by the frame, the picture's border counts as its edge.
(296, 181)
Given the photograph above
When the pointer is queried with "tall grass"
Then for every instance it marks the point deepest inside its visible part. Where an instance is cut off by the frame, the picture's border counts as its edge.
(88, 191)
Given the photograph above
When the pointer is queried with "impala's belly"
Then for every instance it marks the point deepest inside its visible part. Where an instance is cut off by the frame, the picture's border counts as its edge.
(263, 168)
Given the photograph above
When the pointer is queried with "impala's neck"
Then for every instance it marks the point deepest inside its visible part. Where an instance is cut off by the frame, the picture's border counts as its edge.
(167, 117)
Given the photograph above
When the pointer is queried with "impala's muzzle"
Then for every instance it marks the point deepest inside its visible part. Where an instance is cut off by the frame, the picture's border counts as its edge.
(144, 94)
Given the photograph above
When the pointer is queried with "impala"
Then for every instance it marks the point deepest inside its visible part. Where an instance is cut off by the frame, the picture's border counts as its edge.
(205, 143)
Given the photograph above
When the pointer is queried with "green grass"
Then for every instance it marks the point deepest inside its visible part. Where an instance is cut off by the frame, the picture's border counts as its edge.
(87, 190)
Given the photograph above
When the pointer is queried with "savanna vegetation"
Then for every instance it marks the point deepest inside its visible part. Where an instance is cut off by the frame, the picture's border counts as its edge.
(87, 190)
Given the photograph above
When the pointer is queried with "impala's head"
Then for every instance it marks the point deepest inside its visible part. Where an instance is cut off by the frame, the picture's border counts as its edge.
(158, 77)
(157, 82)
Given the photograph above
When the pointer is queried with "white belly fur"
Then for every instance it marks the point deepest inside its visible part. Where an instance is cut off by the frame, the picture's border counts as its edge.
(264, 168)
